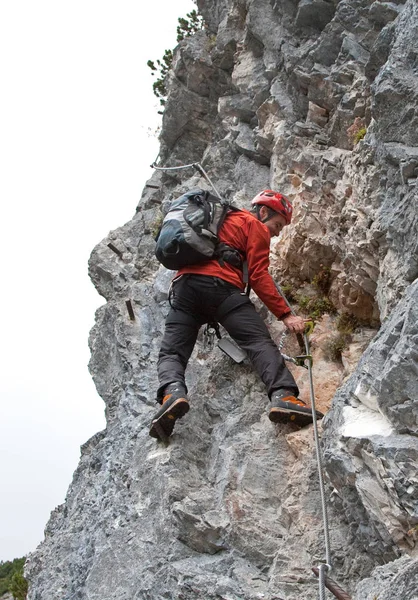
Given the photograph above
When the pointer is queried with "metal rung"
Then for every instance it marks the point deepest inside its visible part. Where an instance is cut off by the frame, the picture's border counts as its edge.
(130, 310)
(115, 250)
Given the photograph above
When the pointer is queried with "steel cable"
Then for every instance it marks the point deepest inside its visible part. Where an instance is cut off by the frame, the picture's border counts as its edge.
(324, 567)
(196, 166)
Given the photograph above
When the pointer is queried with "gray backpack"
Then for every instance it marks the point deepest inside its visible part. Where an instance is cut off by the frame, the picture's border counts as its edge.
(189, 232)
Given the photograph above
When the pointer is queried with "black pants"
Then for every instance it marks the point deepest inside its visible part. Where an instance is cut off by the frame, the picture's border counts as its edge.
(199, 299)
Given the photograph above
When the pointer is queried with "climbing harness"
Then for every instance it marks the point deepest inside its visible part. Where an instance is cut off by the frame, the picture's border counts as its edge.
(209, 333)
(300, 360)
(227, 346)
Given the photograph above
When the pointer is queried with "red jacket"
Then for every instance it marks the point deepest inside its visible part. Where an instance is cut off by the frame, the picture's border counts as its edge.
(243, 231)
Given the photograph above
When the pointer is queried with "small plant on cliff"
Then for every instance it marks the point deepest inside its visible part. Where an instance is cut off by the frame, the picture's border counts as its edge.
(360, 135)
(346, 323)
(333, 349)
(211, 41)
(288, 291)
(357, 131)
(322, 279)
(315, 307)
(161, 68)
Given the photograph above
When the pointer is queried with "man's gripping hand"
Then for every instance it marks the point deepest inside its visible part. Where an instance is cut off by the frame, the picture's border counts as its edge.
(295, 324)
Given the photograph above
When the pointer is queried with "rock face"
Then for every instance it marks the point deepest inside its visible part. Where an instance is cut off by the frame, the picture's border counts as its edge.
(317, 98)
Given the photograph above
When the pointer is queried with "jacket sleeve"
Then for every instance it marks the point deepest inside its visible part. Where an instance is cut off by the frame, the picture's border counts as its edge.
(258, 260)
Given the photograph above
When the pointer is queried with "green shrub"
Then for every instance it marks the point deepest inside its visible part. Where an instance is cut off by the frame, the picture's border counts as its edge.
(322, 280)
(359, 135)
(319, 306)
(287, 290)
(11, 578)
(19, 587)
(315, 307)
(357, 130)
(211, 41)
(346, 322)
(311, 304)
(303, 302)
(334, 347)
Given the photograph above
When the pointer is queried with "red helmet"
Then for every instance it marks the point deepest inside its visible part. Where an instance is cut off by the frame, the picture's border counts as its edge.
(276, 202)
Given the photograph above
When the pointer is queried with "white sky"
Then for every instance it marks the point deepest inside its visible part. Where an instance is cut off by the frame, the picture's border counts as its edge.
(76, 107)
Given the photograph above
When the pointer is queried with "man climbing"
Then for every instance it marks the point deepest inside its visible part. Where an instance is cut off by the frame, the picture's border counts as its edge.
(214, 292)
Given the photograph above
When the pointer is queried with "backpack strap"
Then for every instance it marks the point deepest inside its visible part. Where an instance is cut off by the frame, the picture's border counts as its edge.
(245, 277)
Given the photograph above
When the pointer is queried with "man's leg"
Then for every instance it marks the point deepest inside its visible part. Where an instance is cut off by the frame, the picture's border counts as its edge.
(248, 329)
(178, 342)
(180, 336)
(250, 332)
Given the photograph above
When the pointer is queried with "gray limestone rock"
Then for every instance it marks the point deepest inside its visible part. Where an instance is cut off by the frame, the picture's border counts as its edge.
(396, 580)
(399, 80)
(380, 51)
(317, 99)
(314, 13)
(383, 13)
(370, 440)
(239, 106)
(245, 143)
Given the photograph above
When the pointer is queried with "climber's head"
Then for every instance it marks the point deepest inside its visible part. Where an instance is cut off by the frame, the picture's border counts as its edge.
(273, 209)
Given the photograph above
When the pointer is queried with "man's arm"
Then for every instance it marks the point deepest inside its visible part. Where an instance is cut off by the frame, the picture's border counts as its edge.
(258, 260)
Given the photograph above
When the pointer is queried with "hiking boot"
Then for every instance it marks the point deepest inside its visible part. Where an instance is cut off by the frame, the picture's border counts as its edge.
(286, 408)
(174, 406)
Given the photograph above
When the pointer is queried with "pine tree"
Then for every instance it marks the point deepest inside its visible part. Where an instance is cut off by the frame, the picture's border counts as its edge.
(12, 579)
(190, 26)
(19, 587)
(185, 28)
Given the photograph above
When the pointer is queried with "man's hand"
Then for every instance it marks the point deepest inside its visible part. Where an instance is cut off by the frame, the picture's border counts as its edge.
(295, 324)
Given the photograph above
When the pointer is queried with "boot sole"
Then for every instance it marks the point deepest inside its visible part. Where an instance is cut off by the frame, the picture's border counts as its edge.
(162, 427)
(283, 415)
